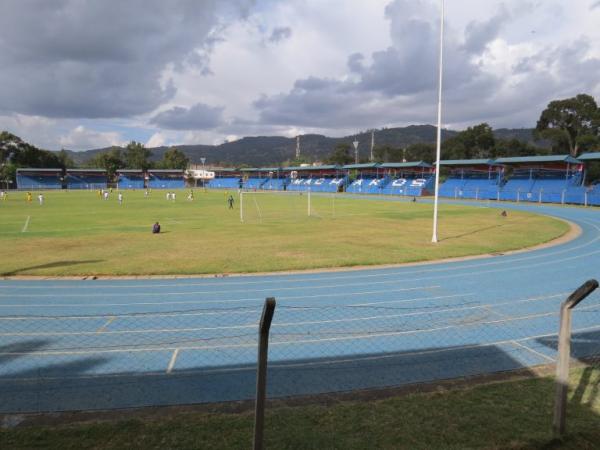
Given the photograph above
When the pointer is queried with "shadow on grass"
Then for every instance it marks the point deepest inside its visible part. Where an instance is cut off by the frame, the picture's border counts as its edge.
(50, 266)
(480, 230)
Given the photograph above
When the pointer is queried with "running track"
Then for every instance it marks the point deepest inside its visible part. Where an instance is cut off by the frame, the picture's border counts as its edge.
(73, 345)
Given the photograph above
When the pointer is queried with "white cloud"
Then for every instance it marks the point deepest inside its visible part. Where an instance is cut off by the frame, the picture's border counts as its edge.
(156, 140)
(82, 138)
(337, 66)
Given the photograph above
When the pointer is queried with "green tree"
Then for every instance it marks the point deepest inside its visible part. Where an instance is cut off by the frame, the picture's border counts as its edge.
(137, 156)
(421, 151)
(65, 160)
(474, 142)
(174, 159)
(111, 161)
(341, 154)
(570, 124)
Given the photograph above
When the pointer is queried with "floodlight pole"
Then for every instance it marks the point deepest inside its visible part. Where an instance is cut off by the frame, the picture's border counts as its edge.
(355, 143)
(434, 238)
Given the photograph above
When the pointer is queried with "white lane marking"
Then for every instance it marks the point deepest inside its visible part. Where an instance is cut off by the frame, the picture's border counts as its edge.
(221, 302)
(535, 352)
(103, 327)
(211, 292)
(301, 341)
(172, 361)
(387, 302)
(253, 311)
(24, 229)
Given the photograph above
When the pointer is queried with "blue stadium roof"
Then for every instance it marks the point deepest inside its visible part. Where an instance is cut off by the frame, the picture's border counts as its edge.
(405, 165)
(538, 159)
(594, 156)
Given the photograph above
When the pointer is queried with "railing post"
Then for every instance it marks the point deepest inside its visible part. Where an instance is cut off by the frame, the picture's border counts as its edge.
(562, 197)
(564, 355)
(540, 198)
(261, 371)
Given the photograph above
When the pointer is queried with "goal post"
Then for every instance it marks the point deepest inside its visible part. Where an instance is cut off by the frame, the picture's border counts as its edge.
(255, 204)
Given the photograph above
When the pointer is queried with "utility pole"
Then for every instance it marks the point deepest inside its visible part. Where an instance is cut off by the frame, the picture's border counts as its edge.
(298, 147)
(355, 143)
(434, 238)
(372, 144)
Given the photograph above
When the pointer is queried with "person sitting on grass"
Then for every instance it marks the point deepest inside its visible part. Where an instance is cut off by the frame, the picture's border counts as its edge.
(156, 228)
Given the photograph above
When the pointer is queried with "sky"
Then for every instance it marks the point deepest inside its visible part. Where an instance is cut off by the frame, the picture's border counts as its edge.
(83, 74)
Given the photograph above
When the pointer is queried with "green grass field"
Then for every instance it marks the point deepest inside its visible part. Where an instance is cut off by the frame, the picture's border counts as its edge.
(77, 233)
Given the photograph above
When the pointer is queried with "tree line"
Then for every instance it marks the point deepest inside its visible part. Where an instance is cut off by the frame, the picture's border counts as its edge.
(15, 153)
(569, 126)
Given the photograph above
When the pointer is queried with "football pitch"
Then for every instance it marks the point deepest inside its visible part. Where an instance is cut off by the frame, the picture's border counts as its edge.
(77, 233)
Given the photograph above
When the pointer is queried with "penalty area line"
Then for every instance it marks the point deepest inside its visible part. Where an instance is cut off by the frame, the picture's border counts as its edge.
(24, 229)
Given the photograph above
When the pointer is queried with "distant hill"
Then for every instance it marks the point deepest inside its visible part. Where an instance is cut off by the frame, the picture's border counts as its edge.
(273, 150)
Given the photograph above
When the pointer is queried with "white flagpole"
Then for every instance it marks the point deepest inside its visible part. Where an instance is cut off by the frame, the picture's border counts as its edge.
(439, 130)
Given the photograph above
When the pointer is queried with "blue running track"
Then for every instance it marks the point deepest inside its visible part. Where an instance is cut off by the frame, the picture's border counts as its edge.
(84, 345)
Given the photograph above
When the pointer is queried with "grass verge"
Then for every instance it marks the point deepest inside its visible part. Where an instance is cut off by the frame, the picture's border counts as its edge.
(501, 415)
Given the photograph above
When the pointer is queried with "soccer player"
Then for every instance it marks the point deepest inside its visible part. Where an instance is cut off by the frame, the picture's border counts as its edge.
(41, 198)
(168, 196)
(105, 195)
(120, 198)
(146, 193)
(29, 197)
(190, 196)
(230, 201)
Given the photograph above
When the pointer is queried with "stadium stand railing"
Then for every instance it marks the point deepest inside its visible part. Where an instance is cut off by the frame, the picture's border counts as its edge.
(274, 184)
(367, 185)
(254, 183)
(224, 183)
(41, 180)
(164, 181)
(86, 181)
(413, 187)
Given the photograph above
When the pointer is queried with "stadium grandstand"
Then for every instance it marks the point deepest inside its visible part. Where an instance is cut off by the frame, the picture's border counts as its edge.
(256, 178)
(130, 179)
(366, 178)
(165, 179)
(86, 179)
(414, 179)
(225, 179)
(543, 179)
(39, 179)
(591, 194)
(478, 179)
(328, 178)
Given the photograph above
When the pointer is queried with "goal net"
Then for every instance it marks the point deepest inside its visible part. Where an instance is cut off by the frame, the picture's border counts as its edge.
(259, 206)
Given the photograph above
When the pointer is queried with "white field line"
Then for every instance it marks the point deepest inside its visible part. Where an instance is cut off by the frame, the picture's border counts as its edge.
(172, 361)
(206, 302)
(401, 354)
(353, 275)
(24, 229)
(295, 341)
(535, 352)
(212, 292)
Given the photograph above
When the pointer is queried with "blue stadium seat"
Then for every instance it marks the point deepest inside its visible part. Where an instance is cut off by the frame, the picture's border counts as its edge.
(224, 183)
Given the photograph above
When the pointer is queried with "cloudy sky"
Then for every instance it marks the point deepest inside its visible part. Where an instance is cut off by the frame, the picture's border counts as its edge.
(83, 74)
